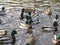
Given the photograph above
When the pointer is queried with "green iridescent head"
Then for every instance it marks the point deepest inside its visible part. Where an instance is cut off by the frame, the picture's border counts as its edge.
(27, 44)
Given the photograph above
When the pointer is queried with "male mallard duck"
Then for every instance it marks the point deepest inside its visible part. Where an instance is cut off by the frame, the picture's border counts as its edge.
(21, 16)
(3, 9)
(27, 44)
(56, 17)
(56, 39)
(13, 33)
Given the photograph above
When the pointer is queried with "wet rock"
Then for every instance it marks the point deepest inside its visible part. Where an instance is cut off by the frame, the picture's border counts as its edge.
(23, 10)
(27, 44)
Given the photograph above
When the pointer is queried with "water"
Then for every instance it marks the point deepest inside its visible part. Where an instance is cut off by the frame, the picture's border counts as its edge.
(11, 19)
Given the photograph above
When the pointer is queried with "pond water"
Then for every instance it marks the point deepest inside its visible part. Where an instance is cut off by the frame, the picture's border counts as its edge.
(11, 20)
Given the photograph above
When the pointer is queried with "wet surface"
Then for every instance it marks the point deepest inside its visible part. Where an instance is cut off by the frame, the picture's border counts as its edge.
(11, 20)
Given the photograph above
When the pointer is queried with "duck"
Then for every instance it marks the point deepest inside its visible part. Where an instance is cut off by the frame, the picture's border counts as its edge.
(48, 12)
(2, 13)
(31, 39)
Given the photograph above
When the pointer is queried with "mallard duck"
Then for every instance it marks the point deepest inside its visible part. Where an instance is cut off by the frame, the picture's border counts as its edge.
(48, 12)
(31, 39)
(3, 9)
(56, 39)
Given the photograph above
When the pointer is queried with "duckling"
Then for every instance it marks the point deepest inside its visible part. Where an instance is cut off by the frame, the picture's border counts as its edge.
(23, 10)
(29, 13)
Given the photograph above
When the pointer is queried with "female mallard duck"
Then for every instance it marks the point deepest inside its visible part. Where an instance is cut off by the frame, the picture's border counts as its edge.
(32, 39)
(48, 12)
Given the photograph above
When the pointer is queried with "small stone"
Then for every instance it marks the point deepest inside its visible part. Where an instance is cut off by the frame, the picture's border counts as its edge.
(30, 13)
(27, 17)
